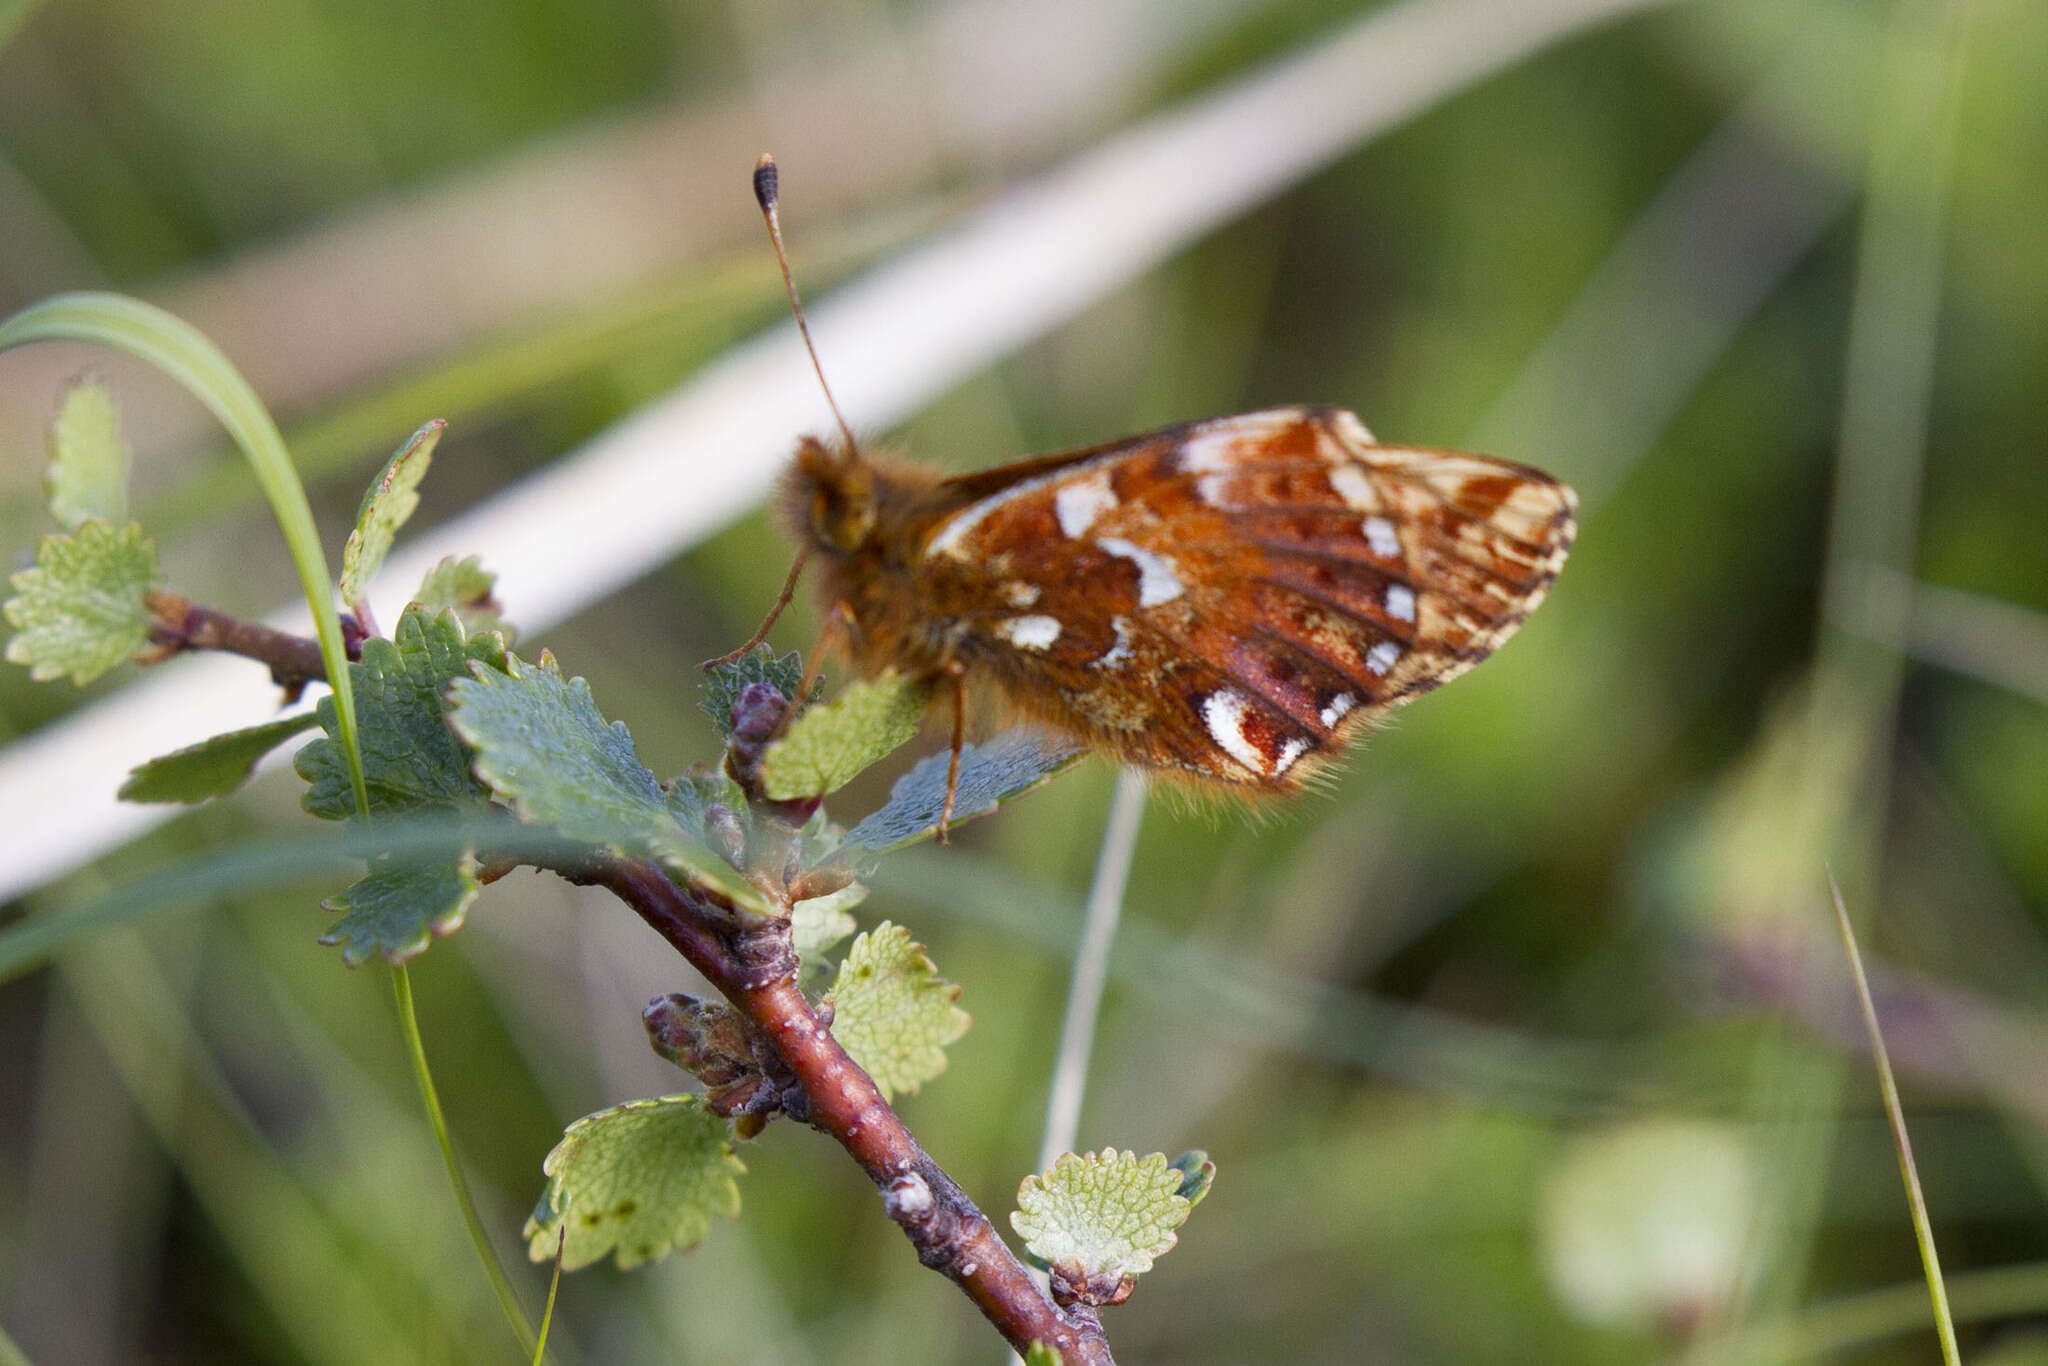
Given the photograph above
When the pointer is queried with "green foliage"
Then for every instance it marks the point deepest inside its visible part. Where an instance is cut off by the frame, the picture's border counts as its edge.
(831, 743)
(414, 767)
(724, 683)
(213, 767)
(636, 1180)
(544, 747)
(81, 610)
(185, 354)
(88, 471)
(1103, 1215)
(1042, 1354)
(400, 906)
(465, 587)
(1008, 766)
(413, 763)
(892, 1012)
(389, 501)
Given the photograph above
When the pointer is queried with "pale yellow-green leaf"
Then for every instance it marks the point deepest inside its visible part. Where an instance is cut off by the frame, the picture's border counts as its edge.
(832, 742)
(1043, 1354)
(88, 473)
(819, 923)
(635, 1181)
(893, 1014)
(390, 500)
(464, 586)
(81, 610)
(1109, 1214)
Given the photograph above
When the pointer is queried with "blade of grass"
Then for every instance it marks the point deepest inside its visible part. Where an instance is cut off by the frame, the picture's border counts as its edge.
(547, 1314)
(33, 942)
(10, 1354)
(416, 1053)
(1923, 1229)
(179, 350)
(1832, 1327)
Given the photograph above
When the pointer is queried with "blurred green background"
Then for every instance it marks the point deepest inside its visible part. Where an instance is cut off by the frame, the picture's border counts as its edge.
(1527, 1041)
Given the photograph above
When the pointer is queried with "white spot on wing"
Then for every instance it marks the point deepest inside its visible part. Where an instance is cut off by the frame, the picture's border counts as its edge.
(1029, 633)
(1079, 503)
(1211, 490)
(1223, 712)
(1379, 534)
(1020, 594)
(1353, 487)
(1293, 750)
(1351, 431)
(1157, 582)
(1383, 656)
(1211, 451)
(952, 537)
(1120, 651)
(1400, 602)
(1339, 707)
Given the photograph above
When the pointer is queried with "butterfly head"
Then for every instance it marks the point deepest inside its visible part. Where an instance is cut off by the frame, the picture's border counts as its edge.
(831, 494)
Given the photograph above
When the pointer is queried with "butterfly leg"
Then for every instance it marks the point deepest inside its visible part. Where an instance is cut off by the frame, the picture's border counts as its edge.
(956, 671)
(839, 623)
(788, 591)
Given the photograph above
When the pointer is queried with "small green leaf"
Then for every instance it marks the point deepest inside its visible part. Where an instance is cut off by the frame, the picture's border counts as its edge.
(829, 744)
(892, 1012)
(390, 499)
(1197, 1174)
(88, 473)
(543, 746)
(819, 923)
(1043, 1354)
(1008, 766)
(1103, 1215)
(412, 761)
(399, 907)
(211, 768)
(636, 1180)
(465, 587)
(82, 610)
(723, 684)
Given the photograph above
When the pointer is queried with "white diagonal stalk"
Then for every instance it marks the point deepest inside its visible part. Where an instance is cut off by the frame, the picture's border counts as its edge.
(1091, 967)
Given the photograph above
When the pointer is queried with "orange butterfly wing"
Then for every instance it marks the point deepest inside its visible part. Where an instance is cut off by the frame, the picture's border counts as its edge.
(1231, 599)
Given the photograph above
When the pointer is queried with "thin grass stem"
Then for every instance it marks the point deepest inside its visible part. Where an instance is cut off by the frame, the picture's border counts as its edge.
(1923, 1228)
(415, 1049)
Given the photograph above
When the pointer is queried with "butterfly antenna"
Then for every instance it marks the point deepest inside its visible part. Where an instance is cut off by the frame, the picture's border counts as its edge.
(766, 185)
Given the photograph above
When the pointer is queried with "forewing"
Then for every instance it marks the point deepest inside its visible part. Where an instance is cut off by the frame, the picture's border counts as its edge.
(1232, 598)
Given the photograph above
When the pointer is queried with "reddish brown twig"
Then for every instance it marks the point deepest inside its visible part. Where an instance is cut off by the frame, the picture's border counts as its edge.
(294, 661)
(757, 974)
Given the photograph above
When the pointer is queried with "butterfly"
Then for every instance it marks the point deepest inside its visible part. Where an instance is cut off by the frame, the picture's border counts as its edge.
(1230, 601)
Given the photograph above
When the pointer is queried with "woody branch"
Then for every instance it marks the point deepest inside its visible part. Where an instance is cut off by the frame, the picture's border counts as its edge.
(755, 969)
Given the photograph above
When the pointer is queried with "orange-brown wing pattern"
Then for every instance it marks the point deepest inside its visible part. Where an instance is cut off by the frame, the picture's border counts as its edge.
(1232, 598)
